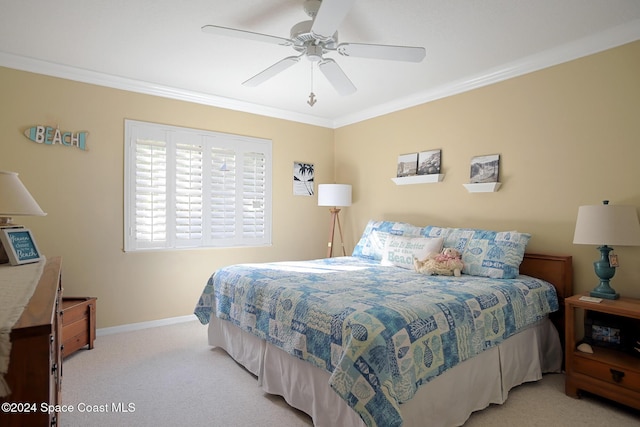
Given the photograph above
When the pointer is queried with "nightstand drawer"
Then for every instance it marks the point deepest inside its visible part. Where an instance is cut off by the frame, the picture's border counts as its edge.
(603, 371)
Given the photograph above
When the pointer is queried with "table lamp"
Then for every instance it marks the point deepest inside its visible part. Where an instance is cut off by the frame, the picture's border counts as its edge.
(15, 199)
(334, 195)
(606, 225)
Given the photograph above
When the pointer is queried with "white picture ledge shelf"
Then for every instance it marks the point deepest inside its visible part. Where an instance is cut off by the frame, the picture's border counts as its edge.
(483, 187)
(418, 179)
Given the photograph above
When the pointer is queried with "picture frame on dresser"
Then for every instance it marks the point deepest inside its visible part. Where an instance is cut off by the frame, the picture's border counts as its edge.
(19, 245)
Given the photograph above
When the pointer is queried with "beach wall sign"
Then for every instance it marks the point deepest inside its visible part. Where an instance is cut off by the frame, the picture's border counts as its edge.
(50, 136)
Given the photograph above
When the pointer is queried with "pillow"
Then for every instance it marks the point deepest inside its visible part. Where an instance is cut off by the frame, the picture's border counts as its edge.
(371, 247)
(488, 253)
(433, 231)
(401, 250)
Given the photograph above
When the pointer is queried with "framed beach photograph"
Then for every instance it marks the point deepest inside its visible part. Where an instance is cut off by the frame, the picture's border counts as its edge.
(429, 162)
(608, 330)
(303, 179)
(19, 245)
(407, 165)
(485, 168)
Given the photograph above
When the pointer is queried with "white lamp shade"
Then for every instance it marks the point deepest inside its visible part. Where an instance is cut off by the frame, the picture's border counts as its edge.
(334, 195)
(15, 199)
(614, 225)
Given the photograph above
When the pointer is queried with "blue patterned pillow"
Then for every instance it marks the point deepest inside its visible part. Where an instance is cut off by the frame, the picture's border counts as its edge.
(370, 245)
(433, 231)
(488, 253)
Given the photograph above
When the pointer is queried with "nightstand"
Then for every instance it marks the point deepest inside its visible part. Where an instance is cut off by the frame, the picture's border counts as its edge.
(608, 372)
(78, 323)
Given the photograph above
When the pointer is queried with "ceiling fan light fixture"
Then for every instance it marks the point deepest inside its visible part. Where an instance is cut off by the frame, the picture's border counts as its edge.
(314, 53)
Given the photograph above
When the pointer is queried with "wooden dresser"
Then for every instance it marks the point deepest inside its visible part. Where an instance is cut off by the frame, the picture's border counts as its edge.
(35, 367)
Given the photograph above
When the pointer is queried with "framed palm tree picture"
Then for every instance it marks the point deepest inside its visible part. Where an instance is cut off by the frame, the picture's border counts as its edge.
(303, 184)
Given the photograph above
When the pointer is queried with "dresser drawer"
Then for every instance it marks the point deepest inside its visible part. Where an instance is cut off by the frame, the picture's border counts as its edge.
(622, 377)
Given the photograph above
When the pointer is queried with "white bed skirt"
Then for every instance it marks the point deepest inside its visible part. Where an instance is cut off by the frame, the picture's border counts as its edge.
(447, 400)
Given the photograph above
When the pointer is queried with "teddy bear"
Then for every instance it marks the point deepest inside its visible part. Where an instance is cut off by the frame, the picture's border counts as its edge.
(446, 263)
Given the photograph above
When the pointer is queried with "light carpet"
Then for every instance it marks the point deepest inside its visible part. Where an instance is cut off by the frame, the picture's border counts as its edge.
(169, 376)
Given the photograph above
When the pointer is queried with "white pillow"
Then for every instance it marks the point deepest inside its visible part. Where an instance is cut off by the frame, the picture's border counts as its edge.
(401, 250)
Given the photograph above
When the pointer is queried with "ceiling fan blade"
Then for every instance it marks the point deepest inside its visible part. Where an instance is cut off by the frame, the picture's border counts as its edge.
(248, 35)
(336, 77)
(276, 68)
(379, 51)
(329, 17)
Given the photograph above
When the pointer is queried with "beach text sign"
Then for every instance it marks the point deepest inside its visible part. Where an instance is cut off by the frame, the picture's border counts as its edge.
(51, 136)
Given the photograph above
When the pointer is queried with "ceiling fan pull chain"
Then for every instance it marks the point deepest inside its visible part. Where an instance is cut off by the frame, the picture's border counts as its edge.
(312, 97)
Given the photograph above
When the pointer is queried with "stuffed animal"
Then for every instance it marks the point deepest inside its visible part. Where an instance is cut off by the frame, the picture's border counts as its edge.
(446, 263)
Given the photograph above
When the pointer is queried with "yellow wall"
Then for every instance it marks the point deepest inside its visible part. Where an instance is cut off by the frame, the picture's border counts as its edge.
(82, 192)
(567, 136)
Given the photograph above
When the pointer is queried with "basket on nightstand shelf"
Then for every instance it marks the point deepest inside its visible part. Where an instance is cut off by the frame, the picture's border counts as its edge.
(78, 323)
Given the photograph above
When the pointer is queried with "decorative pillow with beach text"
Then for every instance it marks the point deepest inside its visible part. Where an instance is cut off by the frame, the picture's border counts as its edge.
(401, 250)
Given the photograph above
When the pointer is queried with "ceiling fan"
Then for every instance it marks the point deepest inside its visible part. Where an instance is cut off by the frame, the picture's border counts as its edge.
(316, 37)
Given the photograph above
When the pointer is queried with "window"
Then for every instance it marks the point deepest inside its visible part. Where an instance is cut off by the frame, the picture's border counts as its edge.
(188, 188)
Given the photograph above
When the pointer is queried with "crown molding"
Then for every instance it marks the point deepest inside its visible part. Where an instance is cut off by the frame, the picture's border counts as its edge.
(614, 37)
(599, 42)
(115, 82)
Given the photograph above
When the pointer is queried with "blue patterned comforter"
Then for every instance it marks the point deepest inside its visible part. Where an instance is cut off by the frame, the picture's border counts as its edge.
(381, 331)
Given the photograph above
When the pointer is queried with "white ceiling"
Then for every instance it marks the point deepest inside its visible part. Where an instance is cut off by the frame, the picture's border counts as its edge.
(157, 47)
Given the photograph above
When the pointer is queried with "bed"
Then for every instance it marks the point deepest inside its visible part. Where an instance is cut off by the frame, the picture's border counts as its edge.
(362, 340)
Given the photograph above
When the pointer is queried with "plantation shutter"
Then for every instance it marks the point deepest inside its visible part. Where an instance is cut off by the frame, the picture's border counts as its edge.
(188, 188)
(253, 191)
(188, 195)
(223, 194)
(151, 192)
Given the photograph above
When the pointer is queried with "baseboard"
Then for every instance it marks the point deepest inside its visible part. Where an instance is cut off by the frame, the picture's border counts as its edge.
(145, 325)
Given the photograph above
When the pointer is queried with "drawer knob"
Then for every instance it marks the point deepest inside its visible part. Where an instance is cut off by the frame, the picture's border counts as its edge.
(616, 376)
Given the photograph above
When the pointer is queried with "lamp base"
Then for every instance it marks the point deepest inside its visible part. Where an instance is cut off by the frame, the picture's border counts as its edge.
(332, 226)
(604, 295)
(605, 272)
